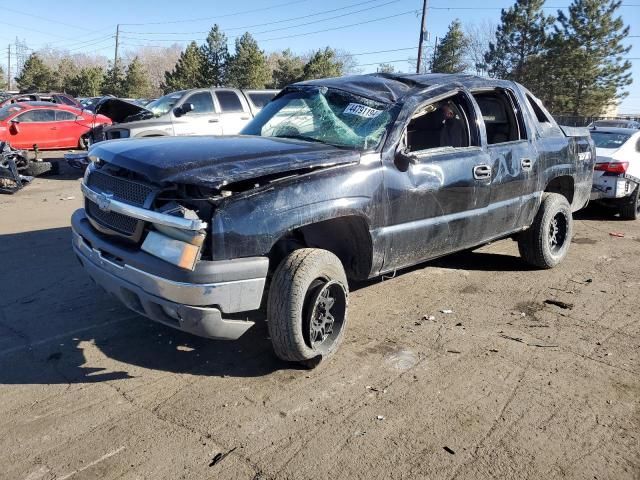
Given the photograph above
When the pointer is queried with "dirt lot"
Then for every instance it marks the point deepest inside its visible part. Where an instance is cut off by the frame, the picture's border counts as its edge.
(505, 386)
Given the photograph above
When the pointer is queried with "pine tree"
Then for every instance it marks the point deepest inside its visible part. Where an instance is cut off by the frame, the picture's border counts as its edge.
(87, 83)
(521, 39)
(188, 71)
(586, 49)
(113, 83)
(35, 75)
(215, 55)
(136, 82)
(248, 66)
(449, 56)
(64, 72)
(288, 70)
(323, 64)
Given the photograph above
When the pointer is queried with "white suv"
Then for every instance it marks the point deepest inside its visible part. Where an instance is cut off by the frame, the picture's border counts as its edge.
(200, 111)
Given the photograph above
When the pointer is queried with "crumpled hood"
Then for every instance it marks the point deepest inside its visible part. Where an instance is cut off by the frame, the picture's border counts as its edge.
(119, 110)
(217, 161)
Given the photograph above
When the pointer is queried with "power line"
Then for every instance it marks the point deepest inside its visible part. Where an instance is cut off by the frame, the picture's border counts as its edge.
(290, 26)
(57, 21)
(190, 20)
(247, 27)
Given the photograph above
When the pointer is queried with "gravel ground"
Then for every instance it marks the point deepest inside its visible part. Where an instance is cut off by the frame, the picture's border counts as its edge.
(508, 385)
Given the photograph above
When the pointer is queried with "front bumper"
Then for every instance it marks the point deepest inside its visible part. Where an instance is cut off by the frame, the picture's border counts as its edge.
(194, 302)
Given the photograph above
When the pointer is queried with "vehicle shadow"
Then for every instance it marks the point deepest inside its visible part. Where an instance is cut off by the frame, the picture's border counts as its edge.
(597, 213)
(56, 326)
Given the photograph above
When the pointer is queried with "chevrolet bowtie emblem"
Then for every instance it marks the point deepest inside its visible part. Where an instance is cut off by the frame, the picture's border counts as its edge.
(104, 201)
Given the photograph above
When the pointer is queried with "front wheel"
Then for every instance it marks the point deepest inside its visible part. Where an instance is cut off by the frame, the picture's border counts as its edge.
(546, 242)
(307, 306)
(631, 209)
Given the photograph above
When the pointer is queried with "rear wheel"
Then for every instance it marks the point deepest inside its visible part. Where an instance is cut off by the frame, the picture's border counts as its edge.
(631, 209)
(307, 306)
(546, 243)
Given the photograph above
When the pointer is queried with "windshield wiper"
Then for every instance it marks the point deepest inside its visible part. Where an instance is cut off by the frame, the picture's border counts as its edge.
(300, 137)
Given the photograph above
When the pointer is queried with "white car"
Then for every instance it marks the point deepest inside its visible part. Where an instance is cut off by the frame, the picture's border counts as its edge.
(616, 176)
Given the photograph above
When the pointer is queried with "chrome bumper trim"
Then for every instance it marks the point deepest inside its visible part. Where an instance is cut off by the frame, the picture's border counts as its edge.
(106, 203)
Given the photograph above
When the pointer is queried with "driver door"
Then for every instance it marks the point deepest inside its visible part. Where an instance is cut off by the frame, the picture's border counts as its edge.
(201, 120)
(437, 201)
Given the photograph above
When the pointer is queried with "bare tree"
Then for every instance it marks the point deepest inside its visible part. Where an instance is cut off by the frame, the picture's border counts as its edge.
(155, 62)
(479, 35)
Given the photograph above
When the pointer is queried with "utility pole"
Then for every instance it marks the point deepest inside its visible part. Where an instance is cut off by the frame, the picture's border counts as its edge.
(423, 27)
(115, 57)
(9, 67)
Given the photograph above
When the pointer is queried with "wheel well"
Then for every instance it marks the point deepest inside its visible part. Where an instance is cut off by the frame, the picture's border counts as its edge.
(563, 185)
(346, 237)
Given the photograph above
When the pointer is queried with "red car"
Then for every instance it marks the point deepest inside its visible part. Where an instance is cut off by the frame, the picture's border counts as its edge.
(49, 126)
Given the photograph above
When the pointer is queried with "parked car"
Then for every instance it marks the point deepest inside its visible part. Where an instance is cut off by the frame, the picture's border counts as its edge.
(616, 178)
(615, 123)
(334, 180)
(201, 111)
(47, 125)
(59, 98)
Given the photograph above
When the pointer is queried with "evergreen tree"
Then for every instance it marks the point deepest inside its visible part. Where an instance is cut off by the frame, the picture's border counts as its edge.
(323, 64)
(136, 81)
(188, 71)
(64, 73)
(113, 83)
(3, 82)
(215, 55)
(248, 66)
(35, 75)
(521, 38)
(449, 56)
(87, 83)
(586, 51)
(288, 70)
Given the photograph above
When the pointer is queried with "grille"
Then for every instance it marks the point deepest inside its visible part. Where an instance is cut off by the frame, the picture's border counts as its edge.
(116, 221)
(124, 190)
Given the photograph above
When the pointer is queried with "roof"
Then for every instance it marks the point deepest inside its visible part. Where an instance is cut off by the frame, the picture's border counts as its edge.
(391, 88)
(629, 131)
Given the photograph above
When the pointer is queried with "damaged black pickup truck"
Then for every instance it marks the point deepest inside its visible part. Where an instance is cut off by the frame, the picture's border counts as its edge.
(334, 180)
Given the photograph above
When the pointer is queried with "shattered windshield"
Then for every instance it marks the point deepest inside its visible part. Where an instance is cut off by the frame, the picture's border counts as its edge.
(609, 139)
(325, 115)
(164, 104)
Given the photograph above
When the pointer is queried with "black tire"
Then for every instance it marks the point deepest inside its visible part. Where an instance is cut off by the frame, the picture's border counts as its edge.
(631, 209)
(304, 283)
(546, 242)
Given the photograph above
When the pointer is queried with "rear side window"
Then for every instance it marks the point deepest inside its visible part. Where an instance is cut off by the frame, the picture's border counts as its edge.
(61, 115)
(41, 115)
(202, 102)
(261, 99)
(540, 115)
(502, 118)
(66, 100)
(229, 101)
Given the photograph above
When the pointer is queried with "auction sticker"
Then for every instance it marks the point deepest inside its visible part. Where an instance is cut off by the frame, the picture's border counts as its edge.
(362, 110)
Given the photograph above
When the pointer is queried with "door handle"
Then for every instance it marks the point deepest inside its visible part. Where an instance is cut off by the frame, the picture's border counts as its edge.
(526, 163)
(53, 128)
(481, 172)
(214, 120)
(245, 118)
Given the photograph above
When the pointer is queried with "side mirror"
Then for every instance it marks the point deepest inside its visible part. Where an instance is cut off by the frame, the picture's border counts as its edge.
(14, 127)
(186, 108)
(404, 158)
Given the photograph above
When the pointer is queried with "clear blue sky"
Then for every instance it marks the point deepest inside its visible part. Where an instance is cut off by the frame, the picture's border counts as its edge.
(370, 26)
